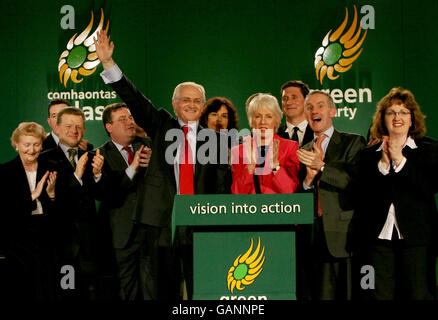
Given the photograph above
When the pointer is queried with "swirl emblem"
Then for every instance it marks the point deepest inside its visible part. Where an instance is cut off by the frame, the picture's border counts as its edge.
(246, 268)
(80, 56)
(339, 50)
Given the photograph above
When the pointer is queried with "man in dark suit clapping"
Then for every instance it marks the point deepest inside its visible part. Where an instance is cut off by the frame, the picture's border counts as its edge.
(78, 173)
(126, 155)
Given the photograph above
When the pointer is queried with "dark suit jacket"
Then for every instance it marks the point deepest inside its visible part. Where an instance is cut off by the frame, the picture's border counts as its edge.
(77, 209)
(27, 241)
(49, 143)
(18, 227)
(308, 134)
(411, 191)
(118, 193)
(340, 168)
(159, 189)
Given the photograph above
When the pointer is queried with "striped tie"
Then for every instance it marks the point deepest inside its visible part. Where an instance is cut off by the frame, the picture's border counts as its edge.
(71, 157)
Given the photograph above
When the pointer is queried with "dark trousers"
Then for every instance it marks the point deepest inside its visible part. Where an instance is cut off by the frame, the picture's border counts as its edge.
(135, 264)
(151, 267)
(401, 271)
(330, 277)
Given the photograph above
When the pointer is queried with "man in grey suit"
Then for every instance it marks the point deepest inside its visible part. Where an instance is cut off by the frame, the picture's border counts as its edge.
(330, 164)
(126, 157)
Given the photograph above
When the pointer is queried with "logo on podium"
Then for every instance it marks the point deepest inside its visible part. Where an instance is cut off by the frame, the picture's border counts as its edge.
(246, 268)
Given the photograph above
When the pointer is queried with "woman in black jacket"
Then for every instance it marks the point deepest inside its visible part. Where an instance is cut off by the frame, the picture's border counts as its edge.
(26, 240)
(395, 217)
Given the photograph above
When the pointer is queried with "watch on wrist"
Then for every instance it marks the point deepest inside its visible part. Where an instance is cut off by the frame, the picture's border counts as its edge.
(275, 170)
(322, 169)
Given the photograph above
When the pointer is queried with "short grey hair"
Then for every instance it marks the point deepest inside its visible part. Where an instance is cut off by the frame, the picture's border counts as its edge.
(187, 84)
(331, 103)
(264, 100)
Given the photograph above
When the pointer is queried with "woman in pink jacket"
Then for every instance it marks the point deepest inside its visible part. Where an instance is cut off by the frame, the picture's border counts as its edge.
(264, 162)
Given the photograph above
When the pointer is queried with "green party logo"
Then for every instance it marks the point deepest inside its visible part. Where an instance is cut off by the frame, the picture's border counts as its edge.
(80, 58)
(339, 50)
(246, 268)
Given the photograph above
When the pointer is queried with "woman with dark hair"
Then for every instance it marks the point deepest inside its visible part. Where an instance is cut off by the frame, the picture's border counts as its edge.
(219, 113)
(394, 223)
(26, 240)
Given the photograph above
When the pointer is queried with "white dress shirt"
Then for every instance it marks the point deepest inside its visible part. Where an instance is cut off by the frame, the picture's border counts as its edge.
(324, 145)
(130, 172)
(301, 130)
(31, 178)
(391, 220)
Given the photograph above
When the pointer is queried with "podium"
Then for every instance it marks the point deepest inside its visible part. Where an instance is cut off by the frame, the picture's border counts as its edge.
(243, 245)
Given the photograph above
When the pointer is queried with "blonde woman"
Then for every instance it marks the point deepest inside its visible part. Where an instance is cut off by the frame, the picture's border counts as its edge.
(26, 229)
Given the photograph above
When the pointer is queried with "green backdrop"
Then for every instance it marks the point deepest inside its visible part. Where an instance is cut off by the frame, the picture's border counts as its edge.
(234, 48)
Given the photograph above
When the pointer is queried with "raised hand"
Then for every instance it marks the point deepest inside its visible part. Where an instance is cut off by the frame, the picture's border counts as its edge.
(51, 180)
(80, 165)
(39, 187)
(249, 154)
(395, 148)
(104, 49)
(145, 156)
(97, 164)
(83, 144)
(385, 154)
(273, 156)
(141, 158)
(311, 159)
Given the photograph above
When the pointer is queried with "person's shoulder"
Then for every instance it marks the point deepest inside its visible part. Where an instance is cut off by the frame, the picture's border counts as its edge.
(287, 143)
(11, 163)
(351, 136)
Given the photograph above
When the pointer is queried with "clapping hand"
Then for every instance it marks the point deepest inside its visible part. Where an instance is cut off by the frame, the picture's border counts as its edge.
(97, 164)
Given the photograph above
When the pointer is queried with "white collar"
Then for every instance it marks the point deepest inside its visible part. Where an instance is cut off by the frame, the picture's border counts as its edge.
(301, 126)
(328, 133)
(120, 147)
(193, 125)
(409, 142)
(55, 137)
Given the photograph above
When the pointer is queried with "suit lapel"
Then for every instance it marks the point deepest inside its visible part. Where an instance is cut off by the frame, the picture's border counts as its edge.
(115, 156)
(308, 135)
(333, 147)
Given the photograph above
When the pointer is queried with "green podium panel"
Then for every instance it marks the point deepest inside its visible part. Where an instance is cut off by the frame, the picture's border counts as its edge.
(243, 245)
(244, 266)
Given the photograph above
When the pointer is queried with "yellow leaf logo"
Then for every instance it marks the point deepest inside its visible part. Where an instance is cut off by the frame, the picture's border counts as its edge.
(246, 268)
(80, 56)
(339, 50)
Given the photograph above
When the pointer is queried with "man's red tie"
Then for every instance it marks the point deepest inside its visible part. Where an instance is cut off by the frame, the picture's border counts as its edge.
(186, 167)
(130, 154)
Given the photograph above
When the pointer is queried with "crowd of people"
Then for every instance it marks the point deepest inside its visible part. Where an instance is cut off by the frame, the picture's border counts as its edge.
(105, 212)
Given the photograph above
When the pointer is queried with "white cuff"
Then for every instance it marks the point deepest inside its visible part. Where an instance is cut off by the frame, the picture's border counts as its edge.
(130, 172)
(111, 75)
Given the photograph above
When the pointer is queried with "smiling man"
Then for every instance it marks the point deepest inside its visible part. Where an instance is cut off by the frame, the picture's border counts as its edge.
(330, 163)
(296, 127)
(52, 139)
(78, 172)
(164, 179)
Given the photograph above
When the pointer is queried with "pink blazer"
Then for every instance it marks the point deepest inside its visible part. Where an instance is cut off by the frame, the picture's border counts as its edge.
(284, 181)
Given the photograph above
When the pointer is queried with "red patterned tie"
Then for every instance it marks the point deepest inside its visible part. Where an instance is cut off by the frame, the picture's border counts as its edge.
(319, 141)
(130, 154)
(186, 167)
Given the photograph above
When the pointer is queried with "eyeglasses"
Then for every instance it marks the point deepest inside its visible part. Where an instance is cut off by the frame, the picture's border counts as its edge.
(188, 100)
(402, 113)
